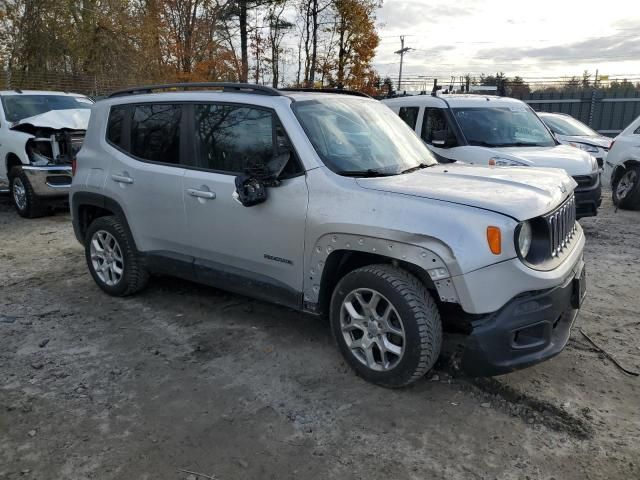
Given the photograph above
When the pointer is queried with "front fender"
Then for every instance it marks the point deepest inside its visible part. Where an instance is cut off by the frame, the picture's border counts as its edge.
(423, 257)
(15, 143)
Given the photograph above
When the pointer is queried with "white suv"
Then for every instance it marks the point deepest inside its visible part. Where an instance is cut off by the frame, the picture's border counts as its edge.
(622, 167)
(40, 134)
(329, 203)
(500, 131)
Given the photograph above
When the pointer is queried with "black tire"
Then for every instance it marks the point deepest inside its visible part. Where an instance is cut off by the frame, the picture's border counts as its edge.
(30, 205)
(134, 276)
(419, 316)
(629, 197)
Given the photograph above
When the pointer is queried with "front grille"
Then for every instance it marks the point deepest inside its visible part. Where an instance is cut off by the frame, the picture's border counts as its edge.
(585, 180)
(562, 226)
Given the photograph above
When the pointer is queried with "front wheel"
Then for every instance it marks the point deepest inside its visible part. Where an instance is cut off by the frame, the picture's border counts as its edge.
(386, 324)
(626, 189)
(24, 198)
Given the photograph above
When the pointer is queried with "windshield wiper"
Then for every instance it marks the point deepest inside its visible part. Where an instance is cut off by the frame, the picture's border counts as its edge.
(520, 144)
(370, 172)
(480, 143)
(420, 166)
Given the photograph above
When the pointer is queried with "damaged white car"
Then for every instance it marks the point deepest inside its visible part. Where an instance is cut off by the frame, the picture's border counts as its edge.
(40, 134)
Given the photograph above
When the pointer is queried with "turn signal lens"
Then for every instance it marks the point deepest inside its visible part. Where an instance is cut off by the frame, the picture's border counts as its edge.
(494, 239)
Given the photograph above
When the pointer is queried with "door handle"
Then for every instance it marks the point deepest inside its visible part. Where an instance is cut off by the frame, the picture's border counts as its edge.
(201, 193)
(122, 179)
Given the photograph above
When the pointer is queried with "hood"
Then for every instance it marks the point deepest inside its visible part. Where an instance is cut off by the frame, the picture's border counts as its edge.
(573, 160)
(603, 142)
(519, 192)
(72, 119)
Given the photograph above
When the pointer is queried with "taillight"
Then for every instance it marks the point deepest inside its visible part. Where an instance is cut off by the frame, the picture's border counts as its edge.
(611, 145)
(73, 167)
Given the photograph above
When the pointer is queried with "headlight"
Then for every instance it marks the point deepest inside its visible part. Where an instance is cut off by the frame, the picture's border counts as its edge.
(585, 147)
(523, 238)
(506, 162)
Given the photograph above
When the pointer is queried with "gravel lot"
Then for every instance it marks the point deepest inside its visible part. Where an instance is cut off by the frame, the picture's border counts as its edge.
(188, 377)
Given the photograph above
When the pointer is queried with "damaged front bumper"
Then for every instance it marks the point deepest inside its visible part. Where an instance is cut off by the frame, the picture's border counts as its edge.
(49, 180)
(529, 329)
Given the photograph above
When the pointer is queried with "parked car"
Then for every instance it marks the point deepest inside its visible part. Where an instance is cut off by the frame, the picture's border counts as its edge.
(622, 167)
(330, 204)
(40, 133)
(570, 131)
(500, 131)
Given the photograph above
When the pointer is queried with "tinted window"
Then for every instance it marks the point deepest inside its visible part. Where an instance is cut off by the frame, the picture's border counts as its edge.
(434, 121)
(409, 115)
(231, 138)
(155, 133)
(114, 125)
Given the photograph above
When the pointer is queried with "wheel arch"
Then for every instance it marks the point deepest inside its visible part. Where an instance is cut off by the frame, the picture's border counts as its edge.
(87, 206)
(335, 255)
(12, 160)
(619, 169)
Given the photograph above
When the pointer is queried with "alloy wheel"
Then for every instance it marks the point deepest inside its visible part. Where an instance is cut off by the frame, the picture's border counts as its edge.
(106, 258)
(626, 183)
(19, 193)
(372, 329)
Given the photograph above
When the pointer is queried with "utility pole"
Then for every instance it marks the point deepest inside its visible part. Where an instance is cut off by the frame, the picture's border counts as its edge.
(401, 52)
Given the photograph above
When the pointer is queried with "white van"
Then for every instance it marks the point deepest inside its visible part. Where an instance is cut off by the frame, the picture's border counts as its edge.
(488, 130)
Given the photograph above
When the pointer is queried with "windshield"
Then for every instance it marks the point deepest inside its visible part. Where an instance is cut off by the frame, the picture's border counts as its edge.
(568, 126)
(515, 126)
(355, 135)
(19, 107)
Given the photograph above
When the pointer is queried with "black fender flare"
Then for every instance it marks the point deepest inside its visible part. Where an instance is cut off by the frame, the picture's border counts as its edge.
(82, 199)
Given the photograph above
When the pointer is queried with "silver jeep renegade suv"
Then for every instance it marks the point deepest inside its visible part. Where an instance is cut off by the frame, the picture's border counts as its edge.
(330, 204)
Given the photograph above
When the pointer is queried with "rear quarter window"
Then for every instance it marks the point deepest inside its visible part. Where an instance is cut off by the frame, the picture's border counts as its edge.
(115, 125)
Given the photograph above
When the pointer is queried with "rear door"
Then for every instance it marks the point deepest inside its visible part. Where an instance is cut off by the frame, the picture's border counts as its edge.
(259, 248)
(145, 176)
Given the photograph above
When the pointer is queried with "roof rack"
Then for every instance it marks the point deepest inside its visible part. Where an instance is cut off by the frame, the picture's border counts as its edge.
(224, 86)
(354, 93)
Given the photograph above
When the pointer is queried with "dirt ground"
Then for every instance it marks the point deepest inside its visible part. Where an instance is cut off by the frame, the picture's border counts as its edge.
(185, 377)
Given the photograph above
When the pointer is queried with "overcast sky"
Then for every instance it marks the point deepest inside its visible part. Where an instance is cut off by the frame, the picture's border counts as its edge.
(532, 39)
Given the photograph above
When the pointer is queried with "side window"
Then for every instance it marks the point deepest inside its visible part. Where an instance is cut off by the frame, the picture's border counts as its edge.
(409, 115)
(155, 132)
(435, 127)
(231, 138)
(115, 124)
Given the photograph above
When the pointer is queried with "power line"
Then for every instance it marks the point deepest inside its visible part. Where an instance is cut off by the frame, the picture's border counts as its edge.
(401, 52)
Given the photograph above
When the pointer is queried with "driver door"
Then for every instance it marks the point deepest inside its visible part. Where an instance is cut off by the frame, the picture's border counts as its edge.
(258, 248)
(439, 135)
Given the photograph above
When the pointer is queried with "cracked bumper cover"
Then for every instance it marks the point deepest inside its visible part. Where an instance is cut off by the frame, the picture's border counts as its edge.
(529, 329)
(49, 180)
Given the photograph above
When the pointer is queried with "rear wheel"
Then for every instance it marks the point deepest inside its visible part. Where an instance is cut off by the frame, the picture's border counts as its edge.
(626, 189)
(25, 200)
(112, 258)
(386, 324)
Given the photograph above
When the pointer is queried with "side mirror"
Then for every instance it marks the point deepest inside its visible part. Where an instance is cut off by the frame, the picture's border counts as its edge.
(251, 187)
(442, 138)
(250, 191)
